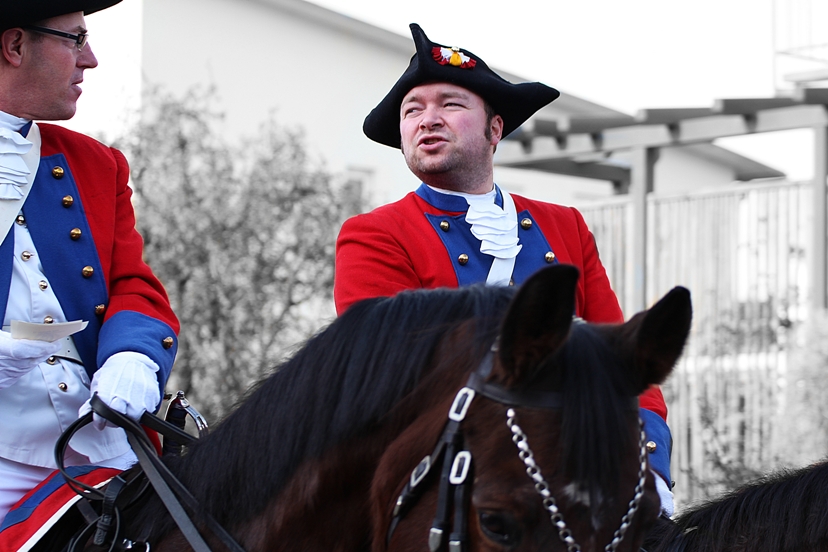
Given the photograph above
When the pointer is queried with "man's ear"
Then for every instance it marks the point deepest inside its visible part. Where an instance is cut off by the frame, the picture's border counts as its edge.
(11, 42)
(496, 128)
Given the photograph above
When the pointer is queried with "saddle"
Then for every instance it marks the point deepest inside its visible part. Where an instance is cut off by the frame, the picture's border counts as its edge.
(77, 505)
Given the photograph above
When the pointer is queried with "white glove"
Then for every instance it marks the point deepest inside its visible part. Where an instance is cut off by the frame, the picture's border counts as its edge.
(126, 383)
(665, 494)
(19, 356)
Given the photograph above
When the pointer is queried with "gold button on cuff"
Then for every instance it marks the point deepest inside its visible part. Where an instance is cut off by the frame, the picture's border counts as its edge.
(44, 285)
(549, 257)
(62, 386)
(75, 233)
(58, 172)
(48, 320)
(21, 220)
(444, 226)
(526, 223)
(26, 255)
(51, 360)
(463, 259)
(87, 271)
(651, 446)
(100, 309)
(68, 200)
(167, 342)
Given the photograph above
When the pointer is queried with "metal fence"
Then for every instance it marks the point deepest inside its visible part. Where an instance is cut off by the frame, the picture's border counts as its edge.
(742, 251)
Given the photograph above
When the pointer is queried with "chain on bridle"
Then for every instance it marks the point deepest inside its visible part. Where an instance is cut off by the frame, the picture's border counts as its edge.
(457, 465)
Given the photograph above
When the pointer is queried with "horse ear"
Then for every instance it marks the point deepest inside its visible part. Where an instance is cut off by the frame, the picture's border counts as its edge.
(536, 324)
(660, 335)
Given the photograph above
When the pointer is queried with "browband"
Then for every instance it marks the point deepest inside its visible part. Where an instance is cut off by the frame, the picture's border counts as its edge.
(524, 397)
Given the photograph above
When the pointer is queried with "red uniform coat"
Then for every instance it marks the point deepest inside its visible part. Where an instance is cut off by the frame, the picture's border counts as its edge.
(402, 245)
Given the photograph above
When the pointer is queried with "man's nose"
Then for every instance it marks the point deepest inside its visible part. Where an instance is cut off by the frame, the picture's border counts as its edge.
(431, 118)
(87, 58)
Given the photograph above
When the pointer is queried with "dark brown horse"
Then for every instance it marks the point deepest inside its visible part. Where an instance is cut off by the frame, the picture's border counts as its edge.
(783, 512)
(319, 454)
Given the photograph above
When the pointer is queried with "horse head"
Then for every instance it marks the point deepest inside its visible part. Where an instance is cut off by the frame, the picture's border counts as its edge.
(556, 455)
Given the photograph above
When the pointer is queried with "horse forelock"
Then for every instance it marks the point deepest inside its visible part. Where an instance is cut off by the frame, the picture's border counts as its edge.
(596, 417)
(338, 386)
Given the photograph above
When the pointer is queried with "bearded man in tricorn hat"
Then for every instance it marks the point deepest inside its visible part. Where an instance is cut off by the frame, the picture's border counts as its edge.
(447, 113)
(69, 252)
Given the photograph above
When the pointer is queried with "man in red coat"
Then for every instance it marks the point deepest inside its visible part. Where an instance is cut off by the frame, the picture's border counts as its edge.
(447, 113)
(69, 252)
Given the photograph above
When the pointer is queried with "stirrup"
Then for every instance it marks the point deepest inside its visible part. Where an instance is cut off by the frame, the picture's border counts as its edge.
(177, 411)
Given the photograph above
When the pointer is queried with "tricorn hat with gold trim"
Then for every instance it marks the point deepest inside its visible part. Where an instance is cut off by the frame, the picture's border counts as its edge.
(18, 13)
(437, 63)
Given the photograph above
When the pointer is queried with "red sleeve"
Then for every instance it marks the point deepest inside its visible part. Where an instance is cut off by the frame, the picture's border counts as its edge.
(132, 285)
(370, 262)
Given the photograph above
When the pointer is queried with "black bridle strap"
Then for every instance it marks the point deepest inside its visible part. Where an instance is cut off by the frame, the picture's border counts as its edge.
(462, 485)
(440, 525)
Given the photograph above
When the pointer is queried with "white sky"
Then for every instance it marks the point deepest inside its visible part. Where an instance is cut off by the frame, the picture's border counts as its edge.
(628, 55)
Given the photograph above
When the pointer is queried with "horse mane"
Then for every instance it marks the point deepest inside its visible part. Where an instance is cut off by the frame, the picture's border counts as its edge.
(338, 386)
(781, 511)
(596, 413)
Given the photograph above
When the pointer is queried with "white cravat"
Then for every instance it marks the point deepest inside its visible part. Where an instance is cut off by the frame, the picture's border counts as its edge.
(496, 228)
(13, 169)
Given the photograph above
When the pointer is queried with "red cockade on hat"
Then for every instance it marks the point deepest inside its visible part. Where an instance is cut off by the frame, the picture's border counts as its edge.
(452, 56)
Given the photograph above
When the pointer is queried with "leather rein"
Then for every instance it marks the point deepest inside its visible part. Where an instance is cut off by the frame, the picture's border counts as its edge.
(456, 475)
(106, 526)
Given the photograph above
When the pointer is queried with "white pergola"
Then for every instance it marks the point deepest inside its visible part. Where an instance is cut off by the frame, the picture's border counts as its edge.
(582, 147)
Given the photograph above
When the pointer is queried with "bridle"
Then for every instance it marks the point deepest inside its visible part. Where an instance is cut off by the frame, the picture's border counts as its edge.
(455, 481)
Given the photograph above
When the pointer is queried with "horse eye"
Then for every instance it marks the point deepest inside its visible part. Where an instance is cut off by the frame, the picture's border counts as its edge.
(500, 528)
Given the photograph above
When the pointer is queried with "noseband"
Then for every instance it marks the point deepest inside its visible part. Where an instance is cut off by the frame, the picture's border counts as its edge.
(456, 473)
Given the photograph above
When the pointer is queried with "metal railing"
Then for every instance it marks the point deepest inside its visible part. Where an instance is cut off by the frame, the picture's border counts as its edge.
(743, 253)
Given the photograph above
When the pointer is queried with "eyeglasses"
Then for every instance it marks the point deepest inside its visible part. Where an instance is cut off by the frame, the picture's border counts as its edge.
(80, 38)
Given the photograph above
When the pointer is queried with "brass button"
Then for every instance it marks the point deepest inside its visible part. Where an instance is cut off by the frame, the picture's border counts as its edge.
(463, 259)
(167, 342)
(68, 200)
(58, 172)
(62, 386)
(44, 285)
(100, 309)
(51, 360)
(651, 446)
(87, 271)
(21, 220)
(511, 282)
(48, 320)
(549, 257)
(75, 233)
(26, 255)
(526, 223)
(444, 226)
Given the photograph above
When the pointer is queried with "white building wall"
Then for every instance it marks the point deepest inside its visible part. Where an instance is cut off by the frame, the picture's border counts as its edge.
(267, 57)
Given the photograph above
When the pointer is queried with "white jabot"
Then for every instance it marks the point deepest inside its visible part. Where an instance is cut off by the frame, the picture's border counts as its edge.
(493, 226)
(13, 146)
(496, 228)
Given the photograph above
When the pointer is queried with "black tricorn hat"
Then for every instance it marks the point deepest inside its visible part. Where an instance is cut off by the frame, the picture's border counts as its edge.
(437, 63)
(17, 13)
